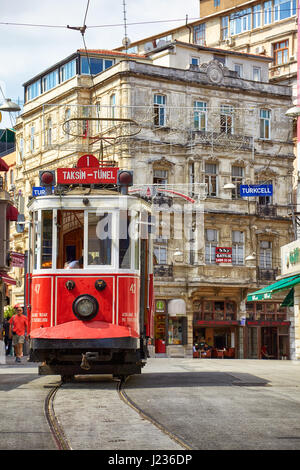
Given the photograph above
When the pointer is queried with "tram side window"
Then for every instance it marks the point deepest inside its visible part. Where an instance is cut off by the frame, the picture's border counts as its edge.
(99, 239)
(124, 240)
(46, 240)
(35, 240)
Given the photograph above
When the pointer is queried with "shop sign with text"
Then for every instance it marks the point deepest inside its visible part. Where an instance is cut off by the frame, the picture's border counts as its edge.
(223, 254)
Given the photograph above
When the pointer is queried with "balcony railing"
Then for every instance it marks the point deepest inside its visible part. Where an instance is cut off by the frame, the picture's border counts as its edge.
(163, 270)
(267, 274)
(267, 210)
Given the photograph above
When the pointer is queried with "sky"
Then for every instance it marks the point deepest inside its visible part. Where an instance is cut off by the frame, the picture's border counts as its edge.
(28, 50)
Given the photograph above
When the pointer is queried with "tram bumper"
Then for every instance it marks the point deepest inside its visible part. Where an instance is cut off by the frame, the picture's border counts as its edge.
(106, 347)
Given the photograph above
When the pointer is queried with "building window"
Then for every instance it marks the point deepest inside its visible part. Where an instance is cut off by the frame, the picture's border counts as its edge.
(33, 90)
(284, 9)
(211, 243)
(268, 12)
(240, 21)
(32, 139)
(281, 52)
(256, 74)
(256, 16)
(226, 119)
(265, 124)
(195, 61)
(265, 200)
(67, 125)
(265, 254)
(68, 70)
(50, 80)
(199, 34)
(237, 247)
(237, 174)
(159, 110)
(224, 27)
(220, 58)
(200, 115)
(160, 251)
(239, 69)
(92, 66)
(21, 149)
(216, 3)
(211, 179)
(160, 176)
(49, 132)
(112, 103)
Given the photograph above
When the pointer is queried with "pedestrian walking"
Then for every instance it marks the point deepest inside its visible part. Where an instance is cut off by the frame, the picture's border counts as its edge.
(18, 327)
(7, 339)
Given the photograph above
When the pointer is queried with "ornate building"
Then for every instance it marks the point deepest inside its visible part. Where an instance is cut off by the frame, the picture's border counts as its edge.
(193, 131)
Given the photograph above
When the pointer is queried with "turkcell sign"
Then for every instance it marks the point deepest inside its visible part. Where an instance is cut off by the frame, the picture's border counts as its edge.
(90, 175)
(253, 190)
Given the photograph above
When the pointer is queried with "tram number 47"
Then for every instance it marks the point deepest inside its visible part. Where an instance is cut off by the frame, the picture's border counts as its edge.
(132, 288)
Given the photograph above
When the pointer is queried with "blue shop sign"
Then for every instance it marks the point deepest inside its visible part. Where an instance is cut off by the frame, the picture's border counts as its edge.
(39, 191)
(254, 190)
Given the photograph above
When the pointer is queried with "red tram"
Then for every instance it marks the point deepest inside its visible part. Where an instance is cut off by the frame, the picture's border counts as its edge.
(90, 279)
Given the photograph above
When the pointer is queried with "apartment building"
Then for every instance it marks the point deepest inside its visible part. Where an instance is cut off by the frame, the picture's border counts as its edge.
(183, 119)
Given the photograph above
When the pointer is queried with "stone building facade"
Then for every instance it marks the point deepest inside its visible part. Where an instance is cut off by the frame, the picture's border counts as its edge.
(200, 132)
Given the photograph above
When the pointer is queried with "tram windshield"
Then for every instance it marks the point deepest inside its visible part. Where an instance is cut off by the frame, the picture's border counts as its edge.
(77, 239)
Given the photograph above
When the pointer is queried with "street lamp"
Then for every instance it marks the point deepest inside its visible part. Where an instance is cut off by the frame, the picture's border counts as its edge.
(293, 112)
(10, 106)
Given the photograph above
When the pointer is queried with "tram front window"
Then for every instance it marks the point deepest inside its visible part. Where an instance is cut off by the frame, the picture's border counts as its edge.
(70, 225)
(99, 239)
(46, 240)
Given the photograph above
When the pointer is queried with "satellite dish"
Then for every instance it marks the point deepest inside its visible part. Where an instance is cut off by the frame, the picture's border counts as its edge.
(126, 42)
(148, 46)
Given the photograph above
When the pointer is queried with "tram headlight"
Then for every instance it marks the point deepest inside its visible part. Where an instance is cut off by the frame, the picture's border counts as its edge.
(85, 307)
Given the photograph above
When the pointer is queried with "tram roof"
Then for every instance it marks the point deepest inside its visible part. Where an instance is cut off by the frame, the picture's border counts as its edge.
(68, 198)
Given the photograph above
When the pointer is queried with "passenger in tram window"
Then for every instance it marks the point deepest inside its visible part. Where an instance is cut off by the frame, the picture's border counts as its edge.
(76, 264)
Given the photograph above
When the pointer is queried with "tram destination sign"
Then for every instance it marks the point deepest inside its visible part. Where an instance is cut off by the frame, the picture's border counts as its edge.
(254, 190)
(89, 175)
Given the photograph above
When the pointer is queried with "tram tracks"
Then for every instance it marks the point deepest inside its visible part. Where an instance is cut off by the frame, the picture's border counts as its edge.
(60, 438)
(54, 425)
(123, 395)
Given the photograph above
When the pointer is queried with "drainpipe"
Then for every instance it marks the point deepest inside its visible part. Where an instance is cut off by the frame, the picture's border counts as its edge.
(190, 29)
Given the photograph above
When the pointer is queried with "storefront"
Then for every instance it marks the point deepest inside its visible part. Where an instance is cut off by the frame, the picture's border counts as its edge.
(215, 323)
(170, 325)
(269, 322)
(267, 331)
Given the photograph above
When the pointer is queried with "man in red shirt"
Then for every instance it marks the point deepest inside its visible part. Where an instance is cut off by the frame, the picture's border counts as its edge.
(18, 326)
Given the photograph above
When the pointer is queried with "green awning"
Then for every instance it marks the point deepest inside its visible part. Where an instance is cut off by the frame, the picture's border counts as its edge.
(266, 292)
(289, 299)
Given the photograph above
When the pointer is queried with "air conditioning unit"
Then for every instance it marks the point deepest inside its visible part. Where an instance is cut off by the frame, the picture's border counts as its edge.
(229, 42)
(292, 58)
(260, 49)
(12, 187)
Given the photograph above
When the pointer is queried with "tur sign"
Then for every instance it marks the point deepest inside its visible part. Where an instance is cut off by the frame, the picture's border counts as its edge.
(254, 190)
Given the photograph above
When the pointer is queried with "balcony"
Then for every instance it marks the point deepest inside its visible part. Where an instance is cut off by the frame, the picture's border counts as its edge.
(163, 270)
(221, 139)
(267, 274)
(266, 210)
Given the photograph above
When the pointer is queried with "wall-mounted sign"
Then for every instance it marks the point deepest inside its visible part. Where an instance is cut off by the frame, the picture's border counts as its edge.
(290, 258)
(223, 254)
(254, 190)
(160, 306)
(40, 191)
(17, 259)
